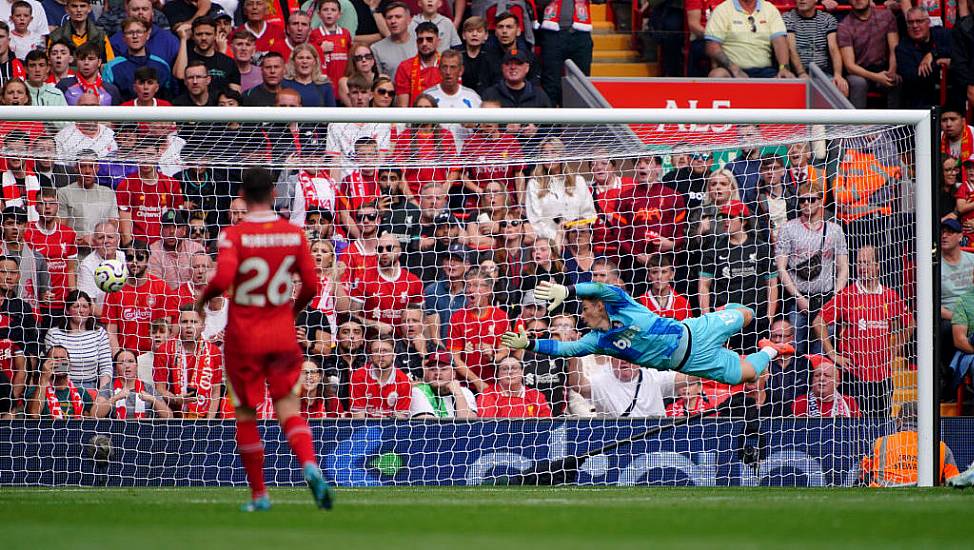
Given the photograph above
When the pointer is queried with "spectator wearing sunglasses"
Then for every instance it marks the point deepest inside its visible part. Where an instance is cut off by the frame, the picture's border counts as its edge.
(384, 292)
(383, 92)
(743, 37)
(421, 71)
(361, 63)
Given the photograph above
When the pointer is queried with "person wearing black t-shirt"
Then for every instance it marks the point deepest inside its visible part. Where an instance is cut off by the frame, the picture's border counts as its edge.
(348, 355)
(400, 216)
(545, 373)
(739, 269)
(221, 67)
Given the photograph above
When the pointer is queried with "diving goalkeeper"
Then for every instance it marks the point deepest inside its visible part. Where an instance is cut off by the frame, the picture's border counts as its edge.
(623, 328)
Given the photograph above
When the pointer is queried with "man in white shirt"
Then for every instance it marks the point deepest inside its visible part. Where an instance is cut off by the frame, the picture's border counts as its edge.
(81, 135)
(441, 395)
(104, 241)
(343, 135)
(622, 389)
(450, 94)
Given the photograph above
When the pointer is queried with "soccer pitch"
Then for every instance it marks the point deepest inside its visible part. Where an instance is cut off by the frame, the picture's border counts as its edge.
(494, 518)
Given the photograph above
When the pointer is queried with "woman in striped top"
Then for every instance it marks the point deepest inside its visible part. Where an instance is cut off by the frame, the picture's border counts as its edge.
(86, 342)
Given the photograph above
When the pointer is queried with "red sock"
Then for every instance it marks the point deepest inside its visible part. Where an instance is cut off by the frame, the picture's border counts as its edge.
(299, 438)
(251, 452)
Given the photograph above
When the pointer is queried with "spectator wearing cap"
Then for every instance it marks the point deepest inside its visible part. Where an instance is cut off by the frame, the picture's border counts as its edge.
(84, 204)
(514, 89)
(161, 42)
(400, 215)
(399, 45)
(220, 68)
(739, 269)
(920, 59)
(440, 395)
(120, 71)
(509, 36)
(421, 71)
(79, 28)
(35, 283)
(508, 397)
(257, 21)
(565, 34)
(964, 198)
(812, 257)
(447, 295)
(557, 196)
(738, 53)
(103, 244)
(475, 331)
(956, 279)
(824, 400)
(171, 257)
(871, 325)
(128, 313)
(531, 307)
(144, 196)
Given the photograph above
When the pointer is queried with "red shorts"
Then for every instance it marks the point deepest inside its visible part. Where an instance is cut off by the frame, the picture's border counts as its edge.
(254, 375)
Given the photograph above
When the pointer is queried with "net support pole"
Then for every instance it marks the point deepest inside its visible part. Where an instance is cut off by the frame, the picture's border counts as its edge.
(925, 298)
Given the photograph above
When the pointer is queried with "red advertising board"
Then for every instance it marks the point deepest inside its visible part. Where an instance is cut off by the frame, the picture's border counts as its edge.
(669, 93)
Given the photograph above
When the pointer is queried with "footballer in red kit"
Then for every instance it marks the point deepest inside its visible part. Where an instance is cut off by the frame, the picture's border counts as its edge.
(56, 243)
(257, 263)
(145, 297)
(385, 292)
(142, 198)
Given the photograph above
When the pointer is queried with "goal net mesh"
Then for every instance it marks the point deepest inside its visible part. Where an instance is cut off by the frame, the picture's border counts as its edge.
(431, 239)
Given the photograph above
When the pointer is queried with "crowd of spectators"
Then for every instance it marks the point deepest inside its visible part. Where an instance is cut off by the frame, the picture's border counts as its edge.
(429, 239)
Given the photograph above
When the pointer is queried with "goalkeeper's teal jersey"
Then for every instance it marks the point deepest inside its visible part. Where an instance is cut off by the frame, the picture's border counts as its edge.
(637, 335)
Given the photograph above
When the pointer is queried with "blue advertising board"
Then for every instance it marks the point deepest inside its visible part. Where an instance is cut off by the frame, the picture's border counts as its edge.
(790, 452)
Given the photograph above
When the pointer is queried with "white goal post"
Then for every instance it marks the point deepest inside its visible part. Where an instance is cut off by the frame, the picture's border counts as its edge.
(925, 151)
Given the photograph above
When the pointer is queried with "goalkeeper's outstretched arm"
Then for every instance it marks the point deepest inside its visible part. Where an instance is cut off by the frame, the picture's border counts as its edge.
(587, 345)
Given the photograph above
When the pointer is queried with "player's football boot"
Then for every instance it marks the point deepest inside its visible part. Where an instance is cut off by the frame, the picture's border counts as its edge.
(323, 493)
(962, 480)
(781, 348)
(261, 504)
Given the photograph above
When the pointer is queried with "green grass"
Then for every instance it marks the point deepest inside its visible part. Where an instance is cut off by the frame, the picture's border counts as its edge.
(497, 518)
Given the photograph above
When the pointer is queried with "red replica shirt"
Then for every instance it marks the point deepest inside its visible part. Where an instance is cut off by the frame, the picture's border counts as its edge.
(650, 207)
(436, 146)
(334, 62)
(9, 351)
(379, 398)
(865, 325)
(357, 265)
(146, 202)
(132, 309)
(825, 409)
(186, 294)
(965, 192)
(181, 371)
(470, 331)
(358, 189)
(385, 298)
(413, 77)
(257, 258)
(494, 158)
(529, 404)
(270, 38)
(58, 248)
(675, 307)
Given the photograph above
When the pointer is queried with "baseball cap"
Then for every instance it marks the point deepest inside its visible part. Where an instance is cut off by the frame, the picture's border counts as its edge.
(950, 224)
(219, 13)
(445, 217)
(17, 213)
(968, 160)
(529, 299)
(457, 250)
(173, 216)
(516, 54)
(440, 357)
(735, 209)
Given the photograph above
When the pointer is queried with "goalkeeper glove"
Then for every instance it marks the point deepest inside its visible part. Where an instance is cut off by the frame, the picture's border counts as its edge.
(516, 340)
(553, 293)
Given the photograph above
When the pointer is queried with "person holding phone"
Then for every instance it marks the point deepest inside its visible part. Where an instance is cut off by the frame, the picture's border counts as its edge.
(55, 396)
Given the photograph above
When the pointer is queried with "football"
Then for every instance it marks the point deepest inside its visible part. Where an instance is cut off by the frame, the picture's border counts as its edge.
(110, 275)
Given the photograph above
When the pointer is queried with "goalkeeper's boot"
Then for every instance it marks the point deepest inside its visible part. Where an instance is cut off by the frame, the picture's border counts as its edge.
(323, 493)
(962, 480)
(781, 348)
(259, 504)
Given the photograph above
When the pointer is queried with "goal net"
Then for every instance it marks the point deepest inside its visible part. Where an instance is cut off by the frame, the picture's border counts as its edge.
(430, 237)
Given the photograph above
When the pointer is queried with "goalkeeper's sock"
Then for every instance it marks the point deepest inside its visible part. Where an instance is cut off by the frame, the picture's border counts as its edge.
(252, 456)
(761, 359)
(299, 438)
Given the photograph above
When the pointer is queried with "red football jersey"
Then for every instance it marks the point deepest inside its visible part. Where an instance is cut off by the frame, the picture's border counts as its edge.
(495, 158)
(385, 298)
(438, 147)
(357, 264)
(132, 309)
(8, 352)
(529, 404)
(334, 62)
(58, 248)
(357, 190)
(181, 371)
(676, 307)
(470, 331)
(269, 39)
(186, 294)
(825, 409)
(146, 202)
(866, 323)
(379, 398)
(256, 260)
